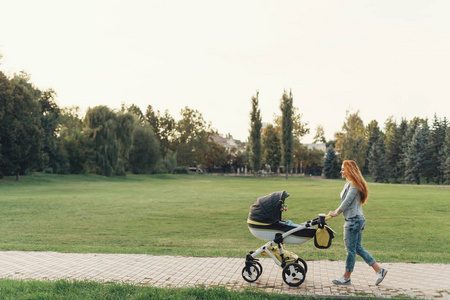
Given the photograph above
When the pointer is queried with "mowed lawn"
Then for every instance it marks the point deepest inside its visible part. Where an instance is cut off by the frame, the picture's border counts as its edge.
(204, 215)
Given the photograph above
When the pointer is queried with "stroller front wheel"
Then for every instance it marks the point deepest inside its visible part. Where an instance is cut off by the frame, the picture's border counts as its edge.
(302, 262)
(293, 274)
(258, 265)
(251, 273)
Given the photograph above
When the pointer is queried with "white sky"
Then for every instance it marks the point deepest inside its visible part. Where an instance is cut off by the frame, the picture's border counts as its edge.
(384, 58)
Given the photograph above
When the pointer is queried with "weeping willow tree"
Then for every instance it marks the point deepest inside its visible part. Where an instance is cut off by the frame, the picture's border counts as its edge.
(112, 135)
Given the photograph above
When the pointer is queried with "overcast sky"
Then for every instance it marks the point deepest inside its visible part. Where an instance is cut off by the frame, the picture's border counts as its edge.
(383, 58)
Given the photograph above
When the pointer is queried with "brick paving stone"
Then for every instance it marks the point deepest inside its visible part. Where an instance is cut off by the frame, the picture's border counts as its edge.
(178, 271)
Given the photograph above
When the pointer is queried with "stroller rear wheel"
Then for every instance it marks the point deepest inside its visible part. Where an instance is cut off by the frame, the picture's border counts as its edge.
(251, 273)
(293, 274)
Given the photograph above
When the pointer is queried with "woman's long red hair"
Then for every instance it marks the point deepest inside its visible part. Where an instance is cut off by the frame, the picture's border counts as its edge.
(354, 175)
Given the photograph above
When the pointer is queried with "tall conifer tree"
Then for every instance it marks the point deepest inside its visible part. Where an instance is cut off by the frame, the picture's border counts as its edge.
(393, 149)
(377, 160)
(255, 135)
(415, 156)
(446, 157)
(287, 126)
(331, 164)
(436, 149)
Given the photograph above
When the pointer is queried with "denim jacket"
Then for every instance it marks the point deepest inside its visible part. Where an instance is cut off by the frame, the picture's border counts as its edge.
(351, 201)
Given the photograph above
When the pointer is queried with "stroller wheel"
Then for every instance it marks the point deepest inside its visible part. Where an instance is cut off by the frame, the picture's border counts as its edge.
(293, 274)
(302, 262)
(251, 273)
(258, 265)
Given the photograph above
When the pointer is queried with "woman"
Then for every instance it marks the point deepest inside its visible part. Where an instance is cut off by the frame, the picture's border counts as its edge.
(353, 195)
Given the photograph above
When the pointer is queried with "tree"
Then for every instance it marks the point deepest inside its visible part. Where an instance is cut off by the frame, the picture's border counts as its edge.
(169, 163)
(320, 135)
(446, 157)
(372, 134)
(78, 149)
(271, 147)
(300, 156)
(299, 129)
(192, 141)
(331, 166)
(314, 162)
(429, 167)
(21, 132)
(377, 160)
(55, 157)
(287, 136)
(49, 113)
(108, 132)
(144, 153)
(126, 125)
(408, 133)
(394, 150)
(153, 120)
(255, 136)
(75, 142)
(415, 156)
(237, 159)
(216, 155)
(164, 127)
(351, 144)
(435, 149)
(136, 111)
(443, 154)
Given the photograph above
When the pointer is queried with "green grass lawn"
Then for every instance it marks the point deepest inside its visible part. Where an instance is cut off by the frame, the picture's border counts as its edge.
(63, 289)
(204, 215)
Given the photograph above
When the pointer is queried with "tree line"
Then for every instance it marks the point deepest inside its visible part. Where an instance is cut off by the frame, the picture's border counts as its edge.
(276, 148)
(36, 134)
(411, 151)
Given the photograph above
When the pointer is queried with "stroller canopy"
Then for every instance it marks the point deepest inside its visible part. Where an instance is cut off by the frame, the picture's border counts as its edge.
(267, 209)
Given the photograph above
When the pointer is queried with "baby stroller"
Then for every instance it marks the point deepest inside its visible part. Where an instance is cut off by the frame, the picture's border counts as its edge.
(264, 222)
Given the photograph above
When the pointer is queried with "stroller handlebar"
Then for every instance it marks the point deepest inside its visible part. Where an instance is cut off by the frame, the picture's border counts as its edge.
(320, 220)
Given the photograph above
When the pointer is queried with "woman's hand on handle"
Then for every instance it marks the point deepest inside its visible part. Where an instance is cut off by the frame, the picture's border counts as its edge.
(327, 218)
(332, 213)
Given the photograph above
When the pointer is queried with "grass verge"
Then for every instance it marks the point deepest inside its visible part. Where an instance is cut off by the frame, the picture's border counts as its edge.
(73, 290)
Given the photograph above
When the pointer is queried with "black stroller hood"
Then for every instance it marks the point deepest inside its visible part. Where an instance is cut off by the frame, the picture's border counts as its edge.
(267, 209)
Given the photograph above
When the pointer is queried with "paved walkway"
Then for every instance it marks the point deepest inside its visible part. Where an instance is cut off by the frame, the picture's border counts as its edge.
(418, 280)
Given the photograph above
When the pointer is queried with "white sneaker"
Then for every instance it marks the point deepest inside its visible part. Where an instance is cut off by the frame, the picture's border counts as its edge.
(381, 276)
(342, 280)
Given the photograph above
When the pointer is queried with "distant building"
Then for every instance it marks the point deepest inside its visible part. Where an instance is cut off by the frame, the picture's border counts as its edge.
(319, 146)
(228, 141)
(263, 126)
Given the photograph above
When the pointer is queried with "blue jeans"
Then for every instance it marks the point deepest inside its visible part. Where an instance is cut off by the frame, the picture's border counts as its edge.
(353, 229)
